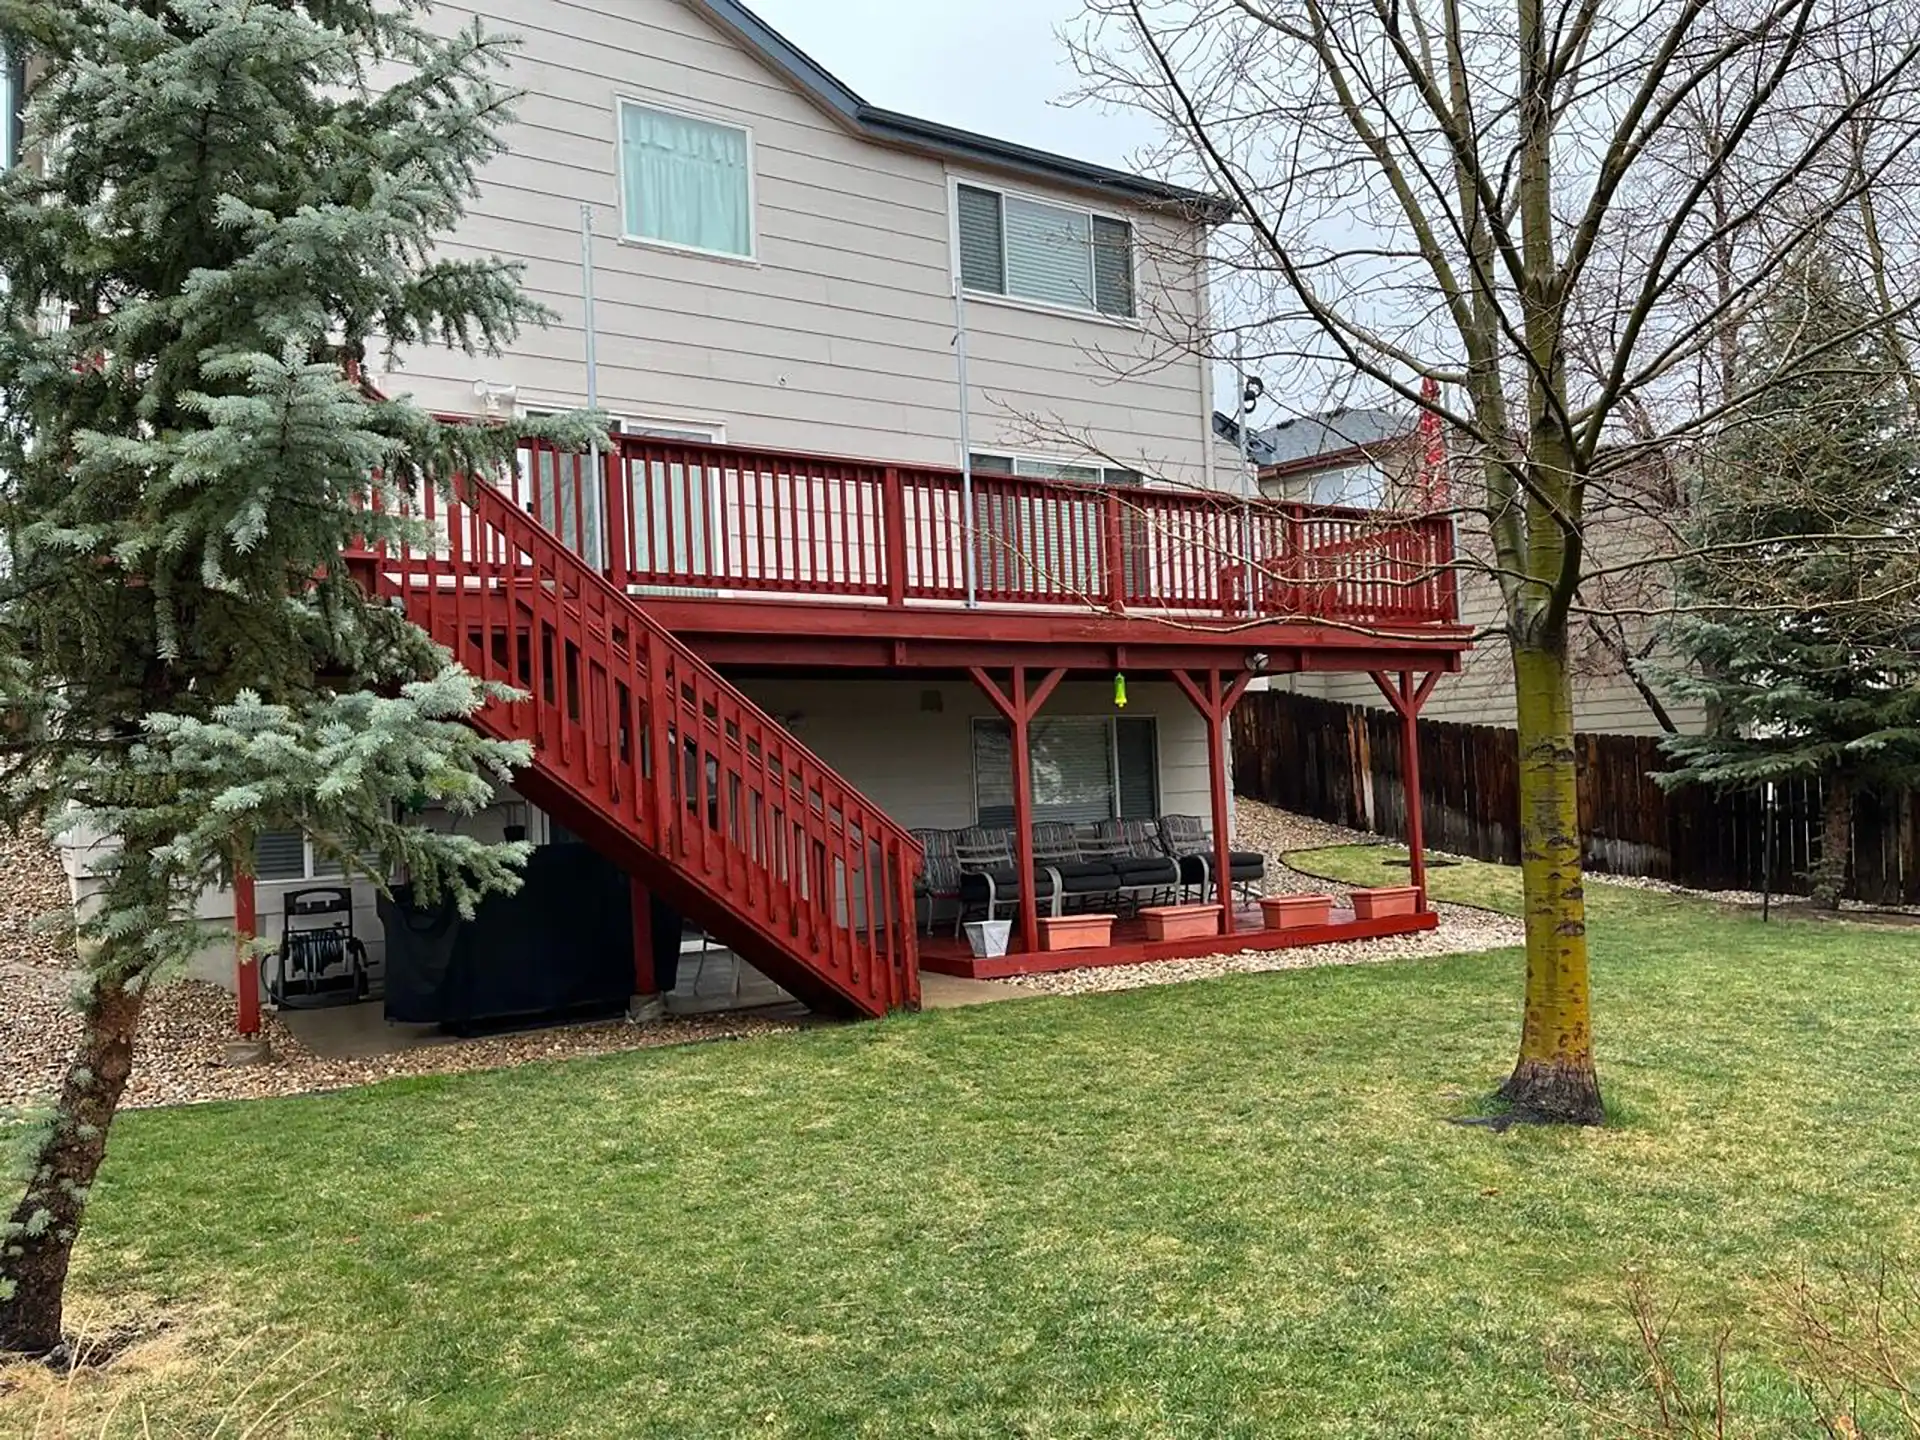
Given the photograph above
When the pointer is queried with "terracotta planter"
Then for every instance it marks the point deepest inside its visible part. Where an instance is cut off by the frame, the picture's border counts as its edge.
(1387, 901)
(1181, 922)
(1296, 912)
(1076, 932)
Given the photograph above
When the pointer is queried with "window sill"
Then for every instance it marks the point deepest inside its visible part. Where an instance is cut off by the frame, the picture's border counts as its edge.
(667, 247)
(1062, 312)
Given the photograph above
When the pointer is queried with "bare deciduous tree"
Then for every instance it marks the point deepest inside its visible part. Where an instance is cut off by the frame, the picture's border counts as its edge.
(1562, 211)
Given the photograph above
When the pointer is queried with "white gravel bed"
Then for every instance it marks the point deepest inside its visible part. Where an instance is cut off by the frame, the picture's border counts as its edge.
(1276, 832)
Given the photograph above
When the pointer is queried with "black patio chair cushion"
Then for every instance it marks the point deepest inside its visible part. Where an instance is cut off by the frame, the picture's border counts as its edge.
(1006, 885)
(1245, 866)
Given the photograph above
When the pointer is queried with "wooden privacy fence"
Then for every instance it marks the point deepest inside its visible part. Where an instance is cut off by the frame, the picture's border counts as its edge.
(1342, 763)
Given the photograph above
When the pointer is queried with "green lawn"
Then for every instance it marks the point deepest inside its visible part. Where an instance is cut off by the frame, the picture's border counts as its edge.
(1234, 1208)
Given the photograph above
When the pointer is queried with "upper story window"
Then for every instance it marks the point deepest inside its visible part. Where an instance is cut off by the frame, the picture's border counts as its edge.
(1055, 254)
(685, 181)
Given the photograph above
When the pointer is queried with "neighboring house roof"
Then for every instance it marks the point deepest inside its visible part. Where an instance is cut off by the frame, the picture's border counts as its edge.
(1308, 441)
(1258, 450)
(890, 127)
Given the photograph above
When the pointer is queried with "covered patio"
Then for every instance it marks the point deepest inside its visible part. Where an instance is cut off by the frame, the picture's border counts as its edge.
(1205, 901)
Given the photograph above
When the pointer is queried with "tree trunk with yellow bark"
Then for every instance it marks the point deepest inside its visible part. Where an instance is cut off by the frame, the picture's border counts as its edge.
(1554, 1079)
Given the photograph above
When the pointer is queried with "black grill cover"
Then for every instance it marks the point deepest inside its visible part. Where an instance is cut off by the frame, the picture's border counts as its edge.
(561, 947)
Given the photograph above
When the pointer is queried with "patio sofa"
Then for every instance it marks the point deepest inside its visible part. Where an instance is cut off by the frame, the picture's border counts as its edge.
(1119, 865)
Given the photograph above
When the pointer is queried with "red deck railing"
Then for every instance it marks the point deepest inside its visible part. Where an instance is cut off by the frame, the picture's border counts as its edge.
(727, 520)
(640, 743)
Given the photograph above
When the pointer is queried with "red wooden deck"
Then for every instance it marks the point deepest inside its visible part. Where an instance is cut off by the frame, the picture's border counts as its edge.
(944, 955)
(833, 547)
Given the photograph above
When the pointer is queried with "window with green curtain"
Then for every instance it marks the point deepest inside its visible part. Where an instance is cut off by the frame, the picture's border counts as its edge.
(1057, 254)
(686, 181)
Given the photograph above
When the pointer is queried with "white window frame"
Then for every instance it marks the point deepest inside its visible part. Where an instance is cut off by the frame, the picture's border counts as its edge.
(1097, 468)
(663, 427)
(627, 237)
(1021, 302)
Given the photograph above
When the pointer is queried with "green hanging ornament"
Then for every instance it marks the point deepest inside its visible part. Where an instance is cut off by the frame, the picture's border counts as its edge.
(1119, 691)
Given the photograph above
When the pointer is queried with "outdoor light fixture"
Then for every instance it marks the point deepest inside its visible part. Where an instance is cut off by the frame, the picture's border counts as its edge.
(496, 399)
(1258, 661)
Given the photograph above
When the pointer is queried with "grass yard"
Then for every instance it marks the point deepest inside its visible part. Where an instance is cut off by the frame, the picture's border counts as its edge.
(1234, 1208)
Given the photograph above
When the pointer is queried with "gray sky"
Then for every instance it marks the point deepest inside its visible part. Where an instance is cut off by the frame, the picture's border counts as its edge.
(993, 66)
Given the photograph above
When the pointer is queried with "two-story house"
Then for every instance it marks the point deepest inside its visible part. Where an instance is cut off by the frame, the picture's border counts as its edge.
(909, 536)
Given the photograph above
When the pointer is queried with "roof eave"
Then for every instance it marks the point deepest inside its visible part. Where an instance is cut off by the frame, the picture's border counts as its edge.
(1366, 450)
(893, 128)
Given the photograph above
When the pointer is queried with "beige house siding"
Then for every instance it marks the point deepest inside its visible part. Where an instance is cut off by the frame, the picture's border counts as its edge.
(1605, 700)
(908, 744)
(838, 336)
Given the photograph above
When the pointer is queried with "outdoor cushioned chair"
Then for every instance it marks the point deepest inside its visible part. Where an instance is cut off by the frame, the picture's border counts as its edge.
(989, 880)
(940, 881)
(1147, 873)
(1088, 879)
(1188, 839)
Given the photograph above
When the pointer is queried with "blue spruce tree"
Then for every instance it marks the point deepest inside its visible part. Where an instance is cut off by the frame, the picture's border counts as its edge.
(225, 205)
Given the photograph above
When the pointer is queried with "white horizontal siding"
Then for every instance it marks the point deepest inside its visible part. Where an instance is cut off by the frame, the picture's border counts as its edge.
(916, 763)
(839, 338)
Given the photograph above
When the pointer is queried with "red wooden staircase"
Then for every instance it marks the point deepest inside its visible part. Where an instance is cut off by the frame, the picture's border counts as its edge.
(646, 753)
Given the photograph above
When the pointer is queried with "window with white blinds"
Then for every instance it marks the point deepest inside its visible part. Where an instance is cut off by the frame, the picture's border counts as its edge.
(1033, 250)
(280, 855)
(1085, 768)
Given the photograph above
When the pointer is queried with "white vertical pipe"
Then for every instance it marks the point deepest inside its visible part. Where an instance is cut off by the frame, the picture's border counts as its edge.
(588, 324)
(968, 560)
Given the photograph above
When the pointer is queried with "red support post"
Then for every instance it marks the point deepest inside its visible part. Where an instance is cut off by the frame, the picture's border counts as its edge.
(1019, 706)
(619, 537)
(1023, 812)
(893, 532)
(645, 983)
(1406, 697)
(246, 970)
(1215, 704)
(1114, 546)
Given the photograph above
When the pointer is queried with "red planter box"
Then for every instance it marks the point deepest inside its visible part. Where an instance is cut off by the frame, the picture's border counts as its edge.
(1076, 932)
(1181, 922)
(1296, 912)
(1388, 900)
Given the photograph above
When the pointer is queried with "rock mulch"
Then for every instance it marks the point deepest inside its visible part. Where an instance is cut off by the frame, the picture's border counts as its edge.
(1751, 899)
(1463, 931)
(187, 1024)
(184, 1031)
